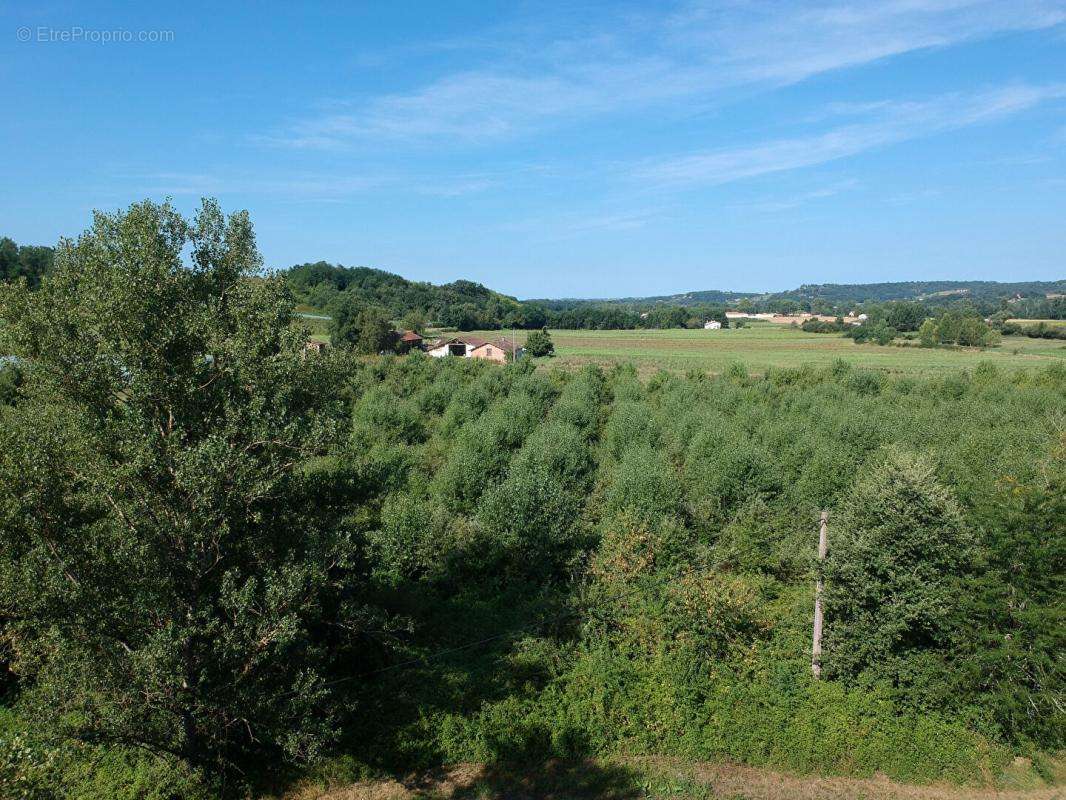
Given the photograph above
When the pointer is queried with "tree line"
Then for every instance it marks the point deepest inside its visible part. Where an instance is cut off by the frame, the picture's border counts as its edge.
(24, 262)
(351, 292)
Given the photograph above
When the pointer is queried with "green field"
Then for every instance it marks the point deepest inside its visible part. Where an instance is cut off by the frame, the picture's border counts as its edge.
(761, 347)
(1058, 323)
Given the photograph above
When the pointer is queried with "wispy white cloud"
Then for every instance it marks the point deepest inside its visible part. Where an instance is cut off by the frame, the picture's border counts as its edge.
(574, 225)
(790, 202)
(309, 187)
(297, 187)
(786, 41)
(892, 123)
(916, 196)
(695, 52)
(457, 187)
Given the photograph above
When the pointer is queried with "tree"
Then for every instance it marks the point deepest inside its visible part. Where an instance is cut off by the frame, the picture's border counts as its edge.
(974, 332)
(9, 259)
(414, 321)
(898, 554)
(1018, 602)
(948, 326)
(871, 331)
(29, 262)
(953, 327)
(462, 316)
(927, 333)
(905, 316)
(359, 327)
(539, 343)
(165, 575)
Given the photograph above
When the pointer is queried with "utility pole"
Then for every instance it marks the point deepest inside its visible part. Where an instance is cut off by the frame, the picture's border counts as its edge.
(816, 648)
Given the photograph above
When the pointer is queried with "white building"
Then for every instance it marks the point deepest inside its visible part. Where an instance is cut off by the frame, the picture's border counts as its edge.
(712, 325)
(748, 315)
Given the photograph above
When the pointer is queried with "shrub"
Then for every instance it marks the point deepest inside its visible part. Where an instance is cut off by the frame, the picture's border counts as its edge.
(893, 575)
(644, 485)
(539, 344)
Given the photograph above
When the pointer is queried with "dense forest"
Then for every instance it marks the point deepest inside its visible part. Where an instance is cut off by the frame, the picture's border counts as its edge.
(228, 563)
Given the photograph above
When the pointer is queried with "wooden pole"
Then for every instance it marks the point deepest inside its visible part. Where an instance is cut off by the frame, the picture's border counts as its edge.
(816, 647)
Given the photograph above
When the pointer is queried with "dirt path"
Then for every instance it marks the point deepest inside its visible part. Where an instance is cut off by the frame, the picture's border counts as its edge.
(757, 784)
(651, 779)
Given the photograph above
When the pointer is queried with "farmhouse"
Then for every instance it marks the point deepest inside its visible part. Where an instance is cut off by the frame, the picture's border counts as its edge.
(474, 347)
(497, 351)
(315, 346)
(455, 346)
(712, 325)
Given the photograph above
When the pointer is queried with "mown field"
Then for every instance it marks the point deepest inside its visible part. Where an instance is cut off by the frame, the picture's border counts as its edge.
(761, 347)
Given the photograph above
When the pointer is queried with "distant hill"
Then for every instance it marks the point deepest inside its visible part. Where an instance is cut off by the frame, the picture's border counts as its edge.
(468, 305)
(842, 293)
(921, 290)
(461, 303)
(709, 296)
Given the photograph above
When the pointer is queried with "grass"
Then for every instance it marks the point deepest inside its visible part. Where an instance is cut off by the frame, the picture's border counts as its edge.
(316, 321)
(761, 347)
(1058, 323)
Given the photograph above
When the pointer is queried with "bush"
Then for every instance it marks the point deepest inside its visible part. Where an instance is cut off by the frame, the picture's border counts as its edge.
(644, 485)
(539, 344)
(894, 575)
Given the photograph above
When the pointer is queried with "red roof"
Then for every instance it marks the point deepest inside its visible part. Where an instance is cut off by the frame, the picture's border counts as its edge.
(410, 336)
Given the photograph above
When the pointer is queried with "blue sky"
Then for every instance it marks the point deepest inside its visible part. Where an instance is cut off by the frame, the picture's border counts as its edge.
(560, 149)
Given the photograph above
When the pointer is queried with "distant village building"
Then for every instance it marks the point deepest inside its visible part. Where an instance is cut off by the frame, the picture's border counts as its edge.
(748, 315)
(315, 346)
(712, 325)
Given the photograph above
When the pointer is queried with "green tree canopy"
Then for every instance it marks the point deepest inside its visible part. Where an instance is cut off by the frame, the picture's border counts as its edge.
(898, 550)
(360, 327)
(539, 343)
(27, 262)
(164, 577)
